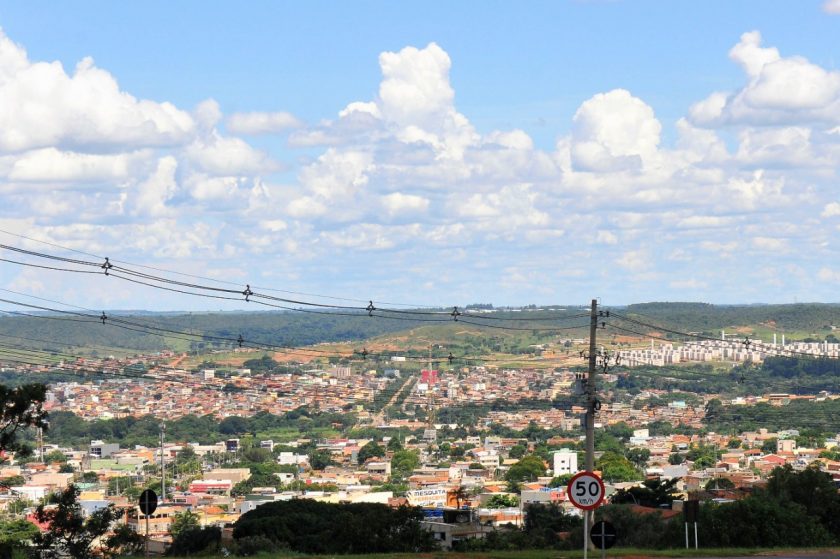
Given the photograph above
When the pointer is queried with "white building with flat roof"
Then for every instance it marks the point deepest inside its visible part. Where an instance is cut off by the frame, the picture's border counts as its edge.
(565, 462)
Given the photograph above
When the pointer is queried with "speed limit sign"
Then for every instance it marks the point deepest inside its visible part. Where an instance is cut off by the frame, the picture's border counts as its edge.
(586, 490)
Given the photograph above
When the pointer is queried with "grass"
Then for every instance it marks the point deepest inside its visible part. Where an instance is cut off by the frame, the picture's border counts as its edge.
(576, 554)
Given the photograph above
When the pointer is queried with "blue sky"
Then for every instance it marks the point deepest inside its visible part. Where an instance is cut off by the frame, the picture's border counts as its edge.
(435, 152)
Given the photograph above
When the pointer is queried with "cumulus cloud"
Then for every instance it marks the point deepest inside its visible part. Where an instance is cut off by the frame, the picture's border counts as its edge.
(831, 210)
(832, 7)
(779, 90)
(261, 123)
(44, 106)
(397, 203)
(614, 131)
(407, 174)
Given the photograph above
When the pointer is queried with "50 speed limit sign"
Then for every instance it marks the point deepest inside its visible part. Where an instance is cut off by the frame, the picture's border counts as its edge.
(586, 490)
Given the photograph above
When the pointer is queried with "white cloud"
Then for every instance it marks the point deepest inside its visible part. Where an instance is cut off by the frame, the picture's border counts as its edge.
(829, 275)
(42, 106)
(262, 123)
(225, 156)
(832, 7)
(606, 238)
(407, 174)
(769, 244)
(150, 197)
(635, 260)
(397, 203)
(52, 165)
(415, 87)
(779, 90)
(831, 210)
(614, 131)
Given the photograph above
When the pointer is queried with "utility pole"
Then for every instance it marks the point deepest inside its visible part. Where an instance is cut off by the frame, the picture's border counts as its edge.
(591, 403)
(591, 389)
(162, 463)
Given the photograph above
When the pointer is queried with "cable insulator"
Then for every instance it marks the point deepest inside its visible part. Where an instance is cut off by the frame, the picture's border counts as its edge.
(370, 308)
(247, 293)
(106, 265)
(455, 314)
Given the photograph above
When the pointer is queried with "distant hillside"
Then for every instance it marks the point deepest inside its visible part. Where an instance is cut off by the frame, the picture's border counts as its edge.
(275, 328)
(299, 329)
(813, 318)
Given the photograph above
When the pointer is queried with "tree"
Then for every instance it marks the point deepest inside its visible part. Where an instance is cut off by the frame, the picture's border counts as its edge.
(560, 481)
(90, 477)
(529, 468)
(769, 446)
(55, 456)
(517, 451)
(652, 493)
(703, 456)
(502, 501)
(16, 531)
(403, 462)
(183, 521)
(370, 450)
(354, 528)
(638, 456)
(719, 483)
(195, 540)
(320, 459)
(617, 468)
(70, 534)
(20, 407)
(233, 425)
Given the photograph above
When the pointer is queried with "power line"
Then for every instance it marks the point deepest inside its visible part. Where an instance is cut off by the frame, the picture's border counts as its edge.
(194, 289)
(131, 325)
(764, 348)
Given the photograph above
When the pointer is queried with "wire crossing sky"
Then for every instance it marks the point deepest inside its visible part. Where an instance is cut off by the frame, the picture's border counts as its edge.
(423, 153)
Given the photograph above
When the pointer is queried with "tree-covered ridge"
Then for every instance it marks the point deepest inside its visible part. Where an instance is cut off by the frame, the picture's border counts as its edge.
(68, 429)
(696, 317)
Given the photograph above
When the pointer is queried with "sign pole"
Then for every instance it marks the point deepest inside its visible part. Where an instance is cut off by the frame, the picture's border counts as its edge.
(585, 532)
(696, 543)
(603, 541)
(686, 535)
(147, 535)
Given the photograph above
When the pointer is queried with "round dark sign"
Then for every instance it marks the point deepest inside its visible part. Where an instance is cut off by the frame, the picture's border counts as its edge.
(148, 502)
(603, 535)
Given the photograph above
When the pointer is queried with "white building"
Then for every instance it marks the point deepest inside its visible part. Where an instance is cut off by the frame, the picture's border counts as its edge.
(565, 462)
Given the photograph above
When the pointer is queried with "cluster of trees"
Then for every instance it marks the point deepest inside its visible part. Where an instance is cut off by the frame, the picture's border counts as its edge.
(821, 417)
(697, 317)
(67, 429)
(317, 528)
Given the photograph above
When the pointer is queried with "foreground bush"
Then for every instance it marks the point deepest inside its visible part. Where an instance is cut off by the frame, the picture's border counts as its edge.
(308, 526)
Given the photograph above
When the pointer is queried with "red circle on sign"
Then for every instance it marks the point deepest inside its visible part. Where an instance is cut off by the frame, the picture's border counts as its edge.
(590, 478)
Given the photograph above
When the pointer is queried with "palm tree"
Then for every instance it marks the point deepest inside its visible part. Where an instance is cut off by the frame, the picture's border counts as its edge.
(460, 495)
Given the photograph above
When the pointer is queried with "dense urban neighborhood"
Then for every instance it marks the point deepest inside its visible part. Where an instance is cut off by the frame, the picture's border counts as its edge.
(475, 448)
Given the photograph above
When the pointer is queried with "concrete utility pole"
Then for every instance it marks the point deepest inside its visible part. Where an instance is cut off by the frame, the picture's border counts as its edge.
(591, 391)
(162, 464)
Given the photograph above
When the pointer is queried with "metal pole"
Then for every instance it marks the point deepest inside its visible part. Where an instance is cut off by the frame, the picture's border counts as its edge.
(585, 534)
(686, 535)
(696, 543)
(603, 541)
(147, 534)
